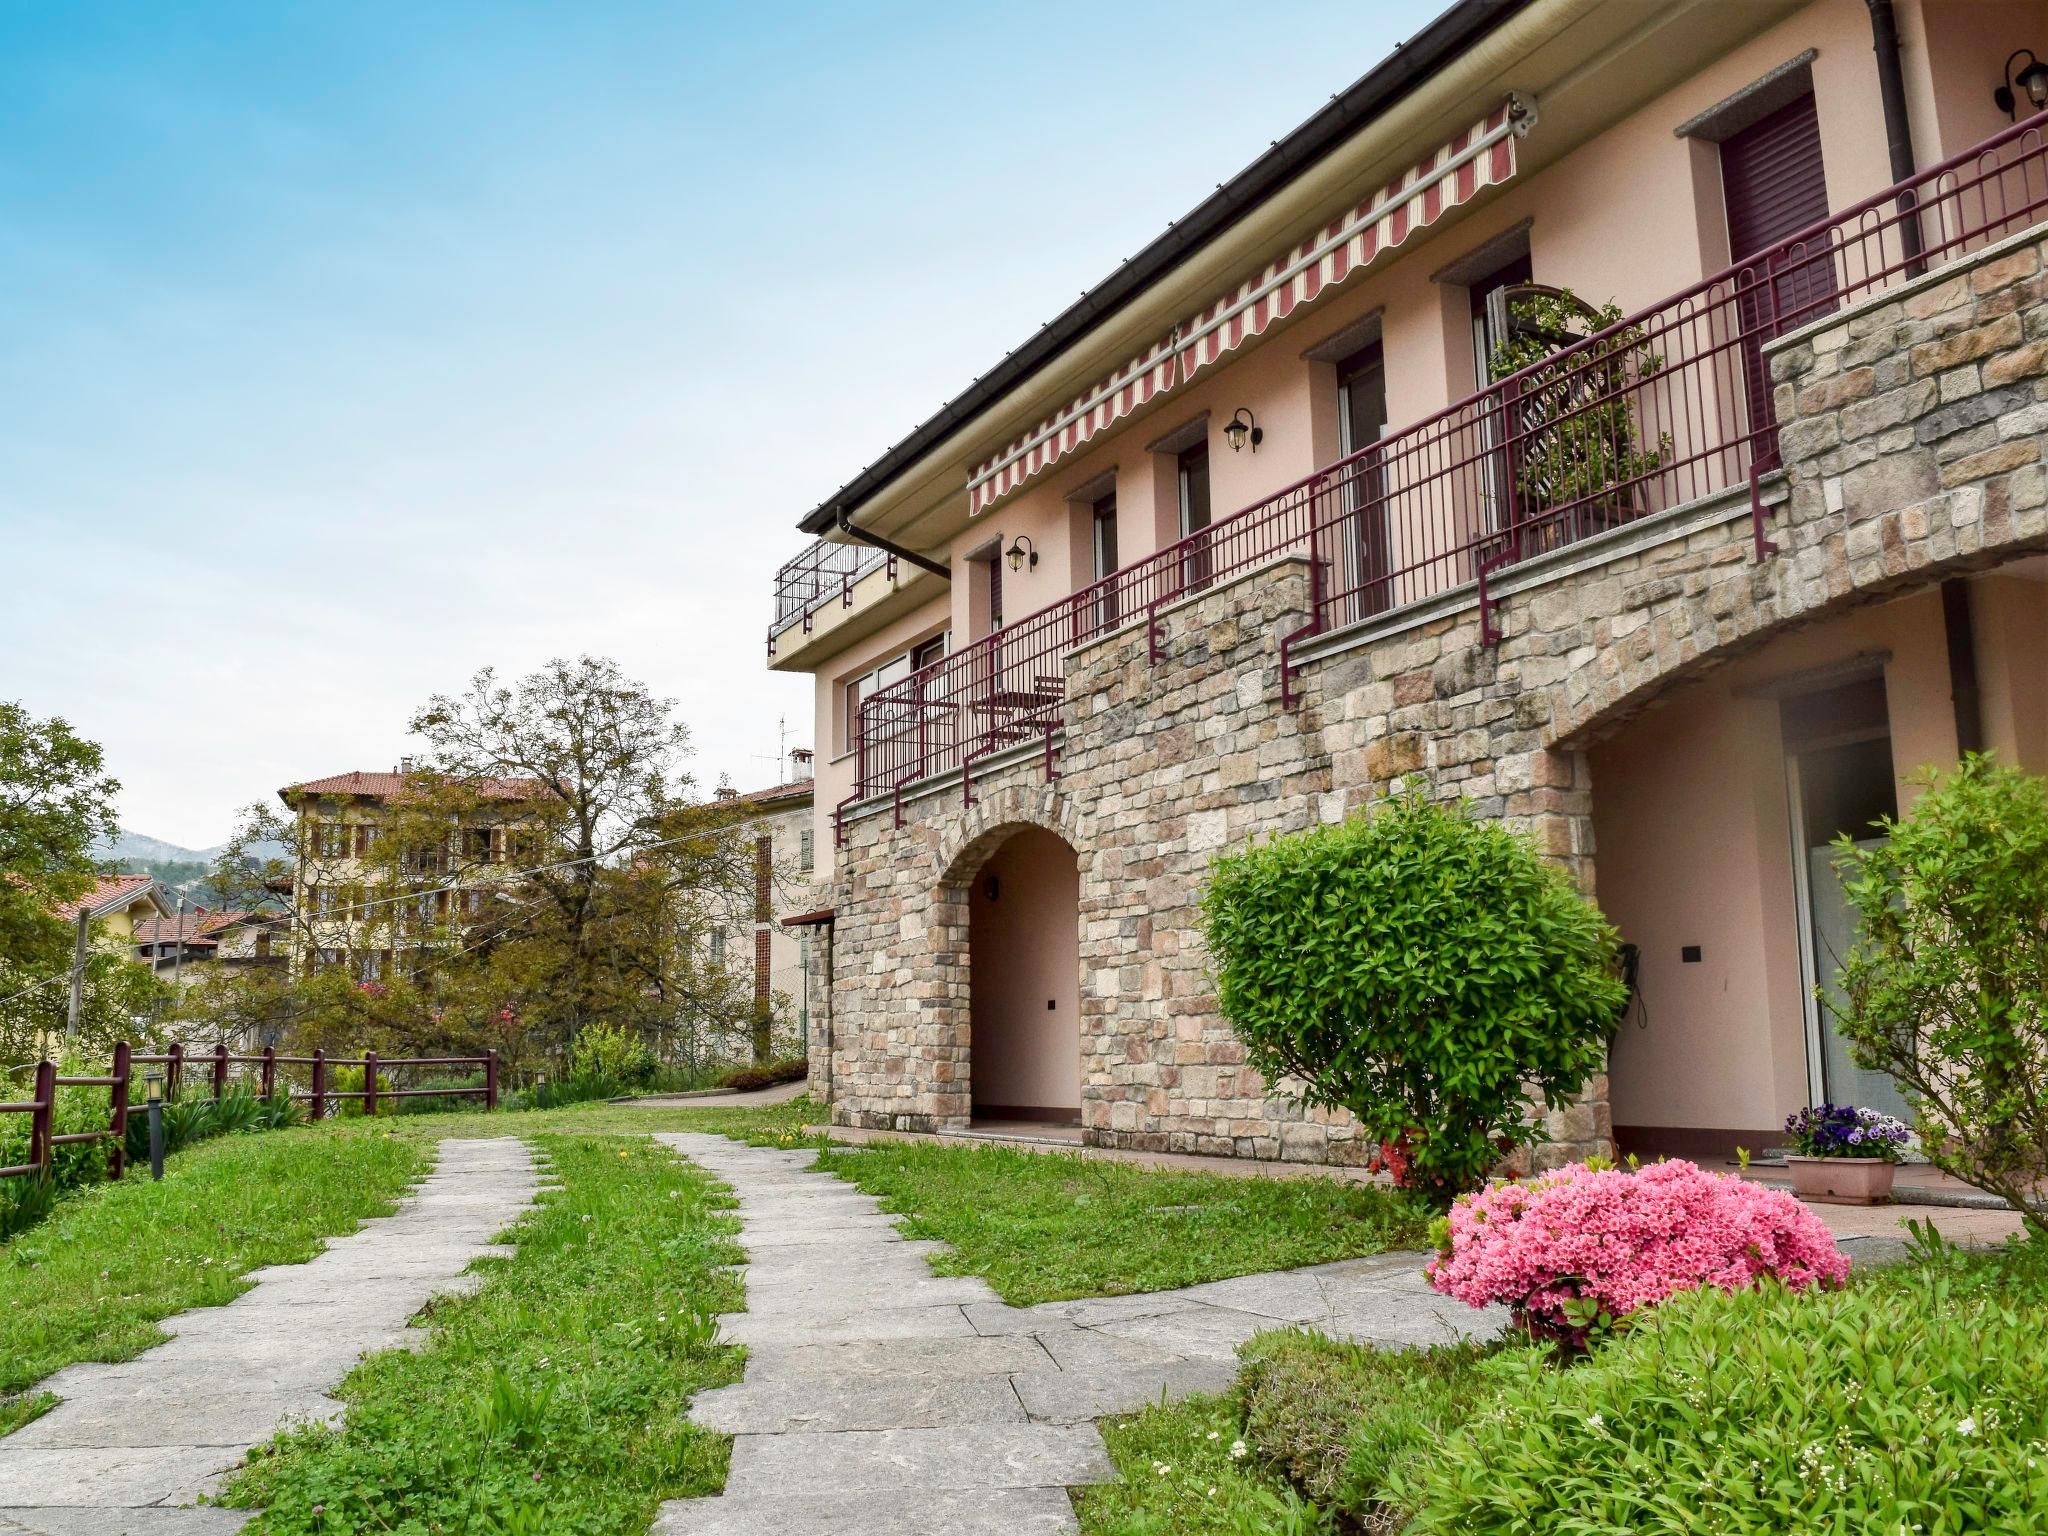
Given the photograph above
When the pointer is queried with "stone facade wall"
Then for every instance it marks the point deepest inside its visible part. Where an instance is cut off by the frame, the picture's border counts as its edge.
(1912, 440)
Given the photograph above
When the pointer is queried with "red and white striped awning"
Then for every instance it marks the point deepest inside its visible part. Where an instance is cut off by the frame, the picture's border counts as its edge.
(1482, 156)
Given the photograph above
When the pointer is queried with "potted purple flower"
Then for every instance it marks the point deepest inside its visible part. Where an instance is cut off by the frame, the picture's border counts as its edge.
(1845, 1155)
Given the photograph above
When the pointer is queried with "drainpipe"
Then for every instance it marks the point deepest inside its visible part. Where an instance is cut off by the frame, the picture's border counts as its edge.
(921, 562)
(1898, 130)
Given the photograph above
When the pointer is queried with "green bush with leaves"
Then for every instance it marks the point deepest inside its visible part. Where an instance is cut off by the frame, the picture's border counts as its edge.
(612, 1054)
(1347, 1423)
(1910, 1403)
(1425, 970)
(1946, 988)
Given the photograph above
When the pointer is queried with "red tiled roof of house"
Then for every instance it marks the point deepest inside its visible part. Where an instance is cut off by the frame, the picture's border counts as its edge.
(111, 891)
(201, 926)
(382, 786)
(795, 788)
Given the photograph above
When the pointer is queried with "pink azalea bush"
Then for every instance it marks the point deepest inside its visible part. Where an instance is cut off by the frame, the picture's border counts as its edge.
(1566, 1247)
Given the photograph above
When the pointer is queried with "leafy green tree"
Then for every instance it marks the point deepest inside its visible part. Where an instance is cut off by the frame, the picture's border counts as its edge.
(1424, 970)
(1946, 987)
(56, 800)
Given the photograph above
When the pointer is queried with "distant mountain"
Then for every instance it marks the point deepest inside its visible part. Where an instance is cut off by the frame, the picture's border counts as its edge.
(125, 846)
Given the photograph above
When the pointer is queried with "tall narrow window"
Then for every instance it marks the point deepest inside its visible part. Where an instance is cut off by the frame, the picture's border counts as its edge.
(1361, 421)
(806, 850)
(1103, 532)
(1198, 563)
(995, 593)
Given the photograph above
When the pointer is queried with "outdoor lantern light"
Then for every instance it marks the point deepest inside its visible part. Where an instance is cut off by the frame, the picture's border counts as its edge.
(2033, 80)
(1019, 548)
(153, 1092)
(1242, 428)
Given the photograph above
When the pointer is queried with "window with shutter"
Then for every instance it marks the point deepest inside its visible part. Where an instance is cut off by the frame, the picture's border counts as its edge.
(1774, 185)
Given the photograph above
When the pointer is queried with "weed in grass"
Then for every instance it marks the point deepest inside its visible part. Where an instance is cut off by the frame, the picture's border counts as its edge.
(552, 1400)
(1054, 1227)
(24, 1408)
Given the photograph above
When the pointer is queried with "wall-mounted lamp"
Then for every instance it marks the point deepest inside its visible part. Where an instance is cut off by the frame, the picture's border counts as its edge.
(1020, 547)
(2033, 80)
(1242, 428)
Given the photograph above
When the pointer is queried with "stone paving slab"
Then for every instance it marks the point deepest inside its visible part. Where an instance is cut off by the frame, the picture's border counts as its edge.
(130, 1447)
(883, 1400)
(776, 1407)
(933, 1512)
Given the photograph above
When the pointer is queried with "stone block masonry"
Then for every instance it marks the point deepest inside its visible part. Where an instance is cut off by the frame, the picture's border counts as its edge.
(1912, 434)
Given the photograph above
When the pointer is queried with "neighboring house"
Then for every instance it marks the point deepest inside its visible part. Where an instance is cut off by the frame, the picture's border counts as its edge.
(117, 905)
(187, 948)
(786, 895)
(1292, 505)
(357, 906)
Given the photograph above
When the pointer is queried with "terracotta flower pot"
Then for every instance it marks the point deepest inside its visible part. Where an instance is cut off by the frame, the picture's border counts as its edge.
(1842, 1180)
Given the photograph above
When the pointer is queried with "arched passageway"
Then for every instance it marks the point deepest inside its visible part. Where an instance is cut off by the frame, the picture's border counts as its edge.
(1024, 973)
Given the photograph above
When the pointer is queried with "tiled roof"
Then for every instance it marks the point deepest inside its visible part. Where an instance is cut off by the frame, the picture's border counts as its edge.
(112, 892)
(796, 788)
(382, 786)
(200, 926)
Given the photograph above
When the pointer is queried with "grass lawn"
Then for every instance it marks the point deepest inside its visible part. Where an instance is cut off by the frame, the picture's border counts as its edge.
(1052, 1227)
(553, 1400)
(91, 1282)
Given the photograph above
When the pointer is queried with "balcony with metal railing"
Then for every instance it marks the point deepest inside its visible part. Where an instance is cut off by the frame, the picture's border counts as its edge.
(832, 586)
(1661, 410)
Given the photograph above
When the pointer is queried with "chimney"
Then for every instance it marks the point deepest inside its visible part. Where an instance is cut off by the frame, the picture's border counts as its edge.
(725, 792)
(405, 765)
(800, 762)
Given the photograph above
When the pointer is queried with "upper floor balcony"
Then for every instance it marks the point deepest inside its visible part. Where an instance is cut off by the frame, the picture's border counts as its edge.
(839, 590)
(1667, 409)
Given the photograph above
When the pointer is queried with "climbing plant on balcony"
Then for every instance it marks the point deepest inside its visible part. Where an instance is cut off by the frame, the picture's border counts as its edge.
(1573, 425)
(1426, 970)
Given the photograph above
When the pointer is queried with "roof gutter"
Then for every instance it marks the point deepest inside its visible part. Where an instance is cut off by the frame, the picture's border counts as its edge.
(1455, 30)
(923, 562)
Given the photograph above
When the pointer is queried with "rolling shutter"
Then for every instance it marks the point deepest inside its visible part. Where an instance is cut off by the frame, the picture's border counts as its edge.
(1774, 184)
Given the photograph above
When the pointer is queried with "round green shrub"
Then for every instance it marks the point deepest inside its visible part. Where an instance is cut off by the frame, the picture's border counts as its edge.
(1424, 970)
(1906, 1404)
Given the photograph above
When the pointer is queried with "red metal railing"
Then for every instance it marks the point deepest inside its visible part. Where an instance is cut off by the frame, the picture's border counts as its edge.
(1666, 406)
(218, 1064)
(822, 572)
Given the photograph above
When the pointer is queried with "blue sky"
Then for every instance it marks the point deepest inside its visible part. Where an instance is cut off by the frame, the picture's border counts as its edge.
(345, 349)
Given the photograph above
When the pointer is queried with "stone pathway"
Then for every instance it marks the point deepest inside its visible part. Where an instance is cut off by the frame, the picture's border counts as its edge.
(132, 1446)
(882, 1399)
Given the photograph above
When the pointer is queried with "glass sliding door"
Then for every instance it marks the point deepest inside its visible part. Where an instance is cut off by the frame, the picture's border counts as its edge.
(1839, 768)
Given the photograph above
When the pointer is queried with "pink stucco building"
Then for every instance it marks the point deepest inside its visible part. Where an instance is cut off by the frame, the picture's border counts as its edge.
(1349, 475)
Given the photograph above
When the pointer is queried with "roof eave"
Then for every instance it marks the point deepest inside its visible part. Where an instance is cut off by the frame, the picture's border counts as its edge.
(1455, 30)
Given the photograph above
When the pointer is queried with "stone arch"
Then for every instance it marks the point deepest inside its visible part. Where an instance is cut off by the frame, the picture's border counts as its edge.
(967, 841)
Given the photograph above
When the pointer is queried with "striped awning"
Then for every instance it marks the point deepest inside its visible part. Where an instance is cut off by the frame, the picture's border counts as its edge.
(1482, 156)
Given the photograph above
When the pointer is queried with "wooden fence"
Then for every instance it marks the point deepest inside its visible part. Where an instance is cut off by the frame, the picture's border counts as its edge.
(218, 1066)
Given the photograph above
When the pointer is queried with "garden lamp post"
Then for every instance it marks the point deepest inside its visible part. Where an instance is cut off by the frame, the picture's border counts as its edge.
(153, 1092)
